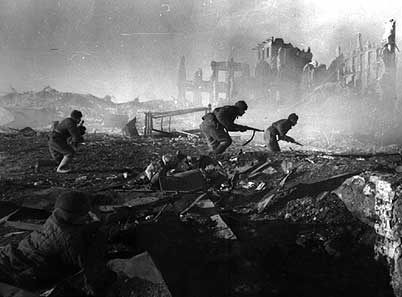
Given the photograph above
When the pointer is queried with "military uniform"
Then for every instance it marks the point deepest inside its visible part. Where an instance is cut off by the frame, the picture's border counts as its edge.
(60, 248)
(58, 140)
(130, 129)
(277, 131)
(215, 127)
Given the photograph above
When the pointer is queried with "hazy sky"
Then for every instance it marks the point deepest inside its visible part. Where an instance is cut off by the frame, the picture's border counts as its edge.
(129, 48)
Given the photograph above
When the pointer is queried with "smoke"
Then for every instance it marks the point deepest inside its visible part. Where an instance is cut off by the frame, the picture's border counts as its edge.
(130, 48)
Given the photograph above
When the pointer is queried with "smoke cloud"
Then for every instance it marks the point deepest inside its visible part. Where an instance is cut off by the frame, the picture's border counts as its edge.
(132, 48)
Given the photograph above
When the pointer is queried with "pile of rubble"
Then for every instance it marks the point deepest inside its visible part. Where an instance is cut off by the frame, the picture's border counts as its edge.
(40, 109)
(249, 224)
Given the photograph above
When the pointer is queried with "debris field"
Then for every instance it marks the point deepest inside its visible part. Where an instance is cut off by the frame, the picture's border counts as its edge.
(272, 225)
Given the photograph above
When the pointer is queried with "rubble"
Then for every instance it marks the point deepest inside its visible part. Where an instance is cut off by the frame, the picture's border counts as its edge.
(11, 291)
(140, 267)
(375, 198)
(40, 109)
(251, 232)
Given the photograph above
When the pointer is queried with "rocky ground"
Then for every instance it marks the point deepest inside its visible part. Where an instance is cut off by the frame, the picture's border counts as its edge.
(293, 235)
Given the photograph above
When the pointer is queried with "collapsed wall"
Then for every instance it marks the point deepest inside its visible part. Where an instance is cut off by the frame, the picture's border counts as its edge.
(376, 199)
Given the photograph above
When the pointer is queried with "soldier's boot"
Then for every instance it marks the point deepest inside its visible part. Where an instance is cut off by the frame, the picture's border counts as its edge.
(62, 166)
(223, 145)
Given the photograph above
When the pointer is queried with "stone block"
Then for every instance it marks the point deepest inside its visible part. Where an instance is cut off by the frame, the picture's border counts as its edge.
(376, 199)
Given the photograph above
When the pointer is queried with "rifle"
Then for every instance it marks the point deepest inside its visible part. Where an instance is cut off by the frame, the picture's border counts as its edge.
(253, 129)
(298, 143)
(291, 140)
(252, 137)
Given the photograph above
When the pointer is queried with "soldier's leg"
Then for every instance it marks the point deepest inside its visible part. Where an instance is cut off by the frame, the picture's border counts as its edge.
(62, 168)
(212, 143)
(271, 140)
(208, 131)
(62, 151)
(57, 156)
(273, 144)
(223, 139)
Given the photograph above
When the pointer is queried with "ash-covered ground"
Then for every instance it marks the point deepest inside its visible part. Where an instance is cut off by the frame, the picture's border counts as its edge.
(294, 236)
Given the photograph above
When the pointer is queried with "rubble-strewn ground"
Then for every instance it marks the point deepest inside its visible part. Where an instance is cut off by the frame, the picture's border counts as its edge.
(303, 243)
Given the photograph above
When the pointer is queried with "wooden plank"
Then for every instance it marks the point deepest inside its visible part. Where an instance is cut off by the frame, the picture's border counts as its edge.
(186, 133)
(157, 115)
(5, 218)
(23, 225)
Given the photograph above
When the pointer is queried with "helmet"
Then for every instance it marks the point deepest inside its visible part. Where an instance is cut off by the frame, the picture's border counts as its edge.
(76, 114)
(72, 204)
(293, 117)
(241, 104)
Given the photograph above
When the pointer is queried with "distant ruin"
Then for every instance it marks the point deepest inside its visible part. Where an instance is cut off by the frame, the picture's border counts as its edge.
(283, 72)
(213, 87)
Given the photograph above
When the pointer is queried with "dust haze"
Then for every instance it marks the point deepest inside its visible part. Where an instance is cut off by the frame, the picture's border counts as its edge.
(132, 49)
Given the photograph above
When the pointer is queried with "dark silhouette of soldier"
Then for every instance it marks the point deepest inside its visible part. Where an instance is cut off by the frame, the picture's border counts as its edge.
(215, 125)
(64, 140)
(277, 131)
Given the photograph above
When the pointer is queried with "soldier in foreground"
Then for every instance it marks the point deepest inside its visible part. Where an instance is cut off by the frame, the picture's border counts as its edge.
(215, 125)
(64, 140)
(69, 243)
(277, 131)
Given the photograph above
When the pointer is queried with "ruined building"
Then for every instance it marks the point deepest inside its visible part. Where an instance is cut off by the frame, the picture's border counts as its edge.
(213, 87)
(284, 73)
(279, 69)
(366, 68)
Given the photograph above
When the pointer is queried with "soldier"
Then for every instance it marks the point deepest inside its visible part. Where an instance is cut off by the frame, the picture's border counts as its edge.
(69, 243)
(215, 125)
(130, 129)
(277, 131)
(68, 130)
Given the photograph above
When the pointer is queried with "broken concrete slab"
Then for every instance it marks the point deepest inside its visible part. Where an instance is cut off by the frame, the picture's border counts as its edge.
(359, 197)
(221, 230)
(182, 181)
(143, 267)
(377, 199)
(285, 193)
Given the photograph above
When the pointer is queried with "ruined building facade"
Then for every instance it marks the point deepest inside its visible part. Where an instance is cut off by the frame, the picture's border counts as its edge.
(279, 70)
(366, 68)
(214, 88)
(284, 73)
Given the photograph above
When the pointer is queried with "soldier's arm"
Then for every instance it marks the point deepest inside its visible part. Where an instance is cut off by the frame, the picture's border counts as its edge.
(76, 136)
(282, 130)
(225, 119)
(288, 139)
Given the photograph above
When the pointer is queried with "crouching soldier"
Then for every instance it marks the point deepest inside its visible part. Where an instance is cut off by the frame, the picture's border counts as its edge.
(69, 242)
(130, 129)
(277, 131)
(215, 125)
(68, 130)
